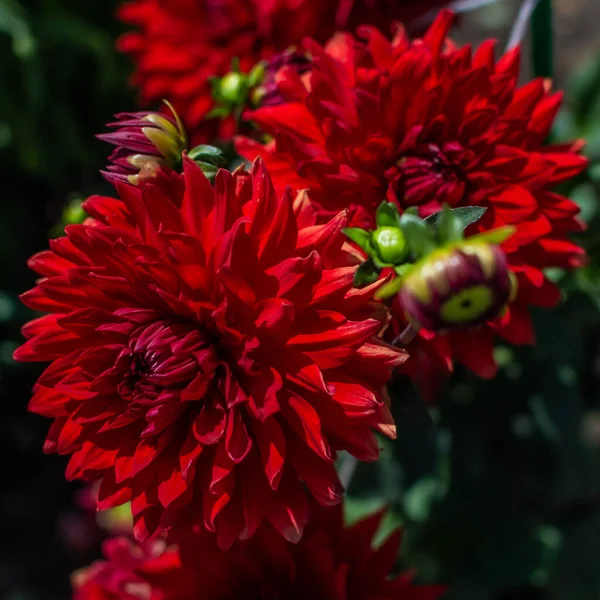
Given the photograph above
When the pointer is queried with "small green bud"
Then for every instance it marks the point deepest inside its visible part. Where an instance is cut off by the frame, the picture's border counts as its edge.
(390, 244)
(73, 212)
(233, 88)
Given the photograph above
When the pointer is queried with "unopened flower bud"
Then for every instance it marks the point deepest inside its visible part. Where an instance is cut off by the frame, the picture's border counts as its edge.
(268, 91)
(390, 245)
(233, 88)
(144, 141)
(458, 287)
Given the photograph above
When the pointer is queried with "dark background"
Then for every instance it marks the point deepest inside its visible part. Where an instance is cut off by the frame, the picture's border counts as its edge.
(498, 487)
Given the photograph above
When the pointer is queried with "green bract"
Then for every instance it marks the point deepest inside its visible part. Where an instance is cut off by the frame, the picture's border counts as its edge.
(208, 158)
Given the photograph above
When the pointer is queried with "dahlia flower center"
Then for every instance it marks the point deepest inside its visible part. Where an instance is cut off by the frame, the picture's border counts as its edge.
(165, 360)
(429, 172)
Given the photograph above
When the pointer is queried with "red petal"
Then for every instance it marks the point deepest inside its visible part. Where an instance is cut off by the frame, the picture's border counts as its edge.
(237, 440)
(271, 444)
(289, 511)
(209, 425)
(305, 421)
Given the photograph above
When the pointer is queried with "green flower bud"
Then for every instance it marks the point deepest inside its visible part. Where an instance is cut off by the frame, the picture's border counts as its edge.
(233, 88)
(390, 245)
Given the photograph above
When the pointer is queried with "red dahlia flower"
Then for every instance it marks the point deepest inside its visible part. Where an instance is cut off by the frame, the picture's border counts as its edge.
(151, 571)
(421, 124)
(331, 562)
(179, 44)
(209, 354)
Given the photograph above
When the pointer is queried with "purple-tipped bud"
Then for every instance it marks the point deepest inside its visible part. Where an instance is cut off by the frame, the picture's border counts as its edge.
(268, 93)
(460, 286)
(144, 142)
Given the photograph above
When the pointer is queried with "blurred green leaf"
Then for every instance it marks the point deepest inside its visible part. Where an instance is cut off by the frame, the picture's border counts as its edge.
(586, 197)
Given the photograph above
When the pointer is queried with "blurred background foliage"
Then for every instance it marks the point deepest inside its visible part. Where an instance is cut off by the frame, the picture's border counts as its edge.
(498, 487)
(60, 80)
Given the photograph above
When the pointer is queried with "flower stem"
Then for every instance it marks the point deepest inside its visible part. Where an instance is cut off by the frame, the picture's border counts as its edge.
(521, 23)
(542, 39)
(346, 471)
(408, 334)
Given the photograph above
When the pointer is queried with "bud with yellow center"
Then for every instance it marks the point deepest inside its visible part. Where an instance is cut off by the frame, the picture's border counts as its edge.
(459, 286)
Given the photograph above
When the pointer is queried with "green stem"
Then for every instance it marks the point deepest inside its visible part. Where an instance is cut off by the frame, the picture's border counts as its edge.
(542, 39)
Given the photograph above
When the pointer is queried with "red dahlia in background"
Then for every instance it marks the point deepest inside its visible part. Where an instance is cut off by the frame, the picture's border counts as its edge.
(178, 45)
(422, 123)
(331, 562)
(209, 354)
(151, 571)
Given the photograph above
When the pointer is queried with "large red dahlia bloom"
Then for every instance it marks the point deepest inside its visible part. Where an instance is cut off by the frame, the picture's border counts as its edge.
(331, 562)
(179, 44)
(209, 354)
(423, 123)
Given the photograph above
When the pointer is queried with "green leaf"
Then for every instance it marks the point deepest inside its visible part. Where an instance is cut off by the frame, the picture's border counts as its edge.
(543, 419)
(420, 498)
(13, 22)
(387, 215)
(585, 196)
(356, 509)
(365, 274)
(419, 236)
(359, 236)
(466, 215)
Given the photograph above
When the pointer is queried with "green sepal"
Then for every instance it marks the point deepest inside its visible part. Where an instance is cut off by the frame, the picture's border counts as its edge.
(420, 238)
(366, 274)
(218, 112)
(208, 154)
(208, 169)
(495, 236)
(466, 215)
(215, 88)
(391, 288)
(257, 74)
(404, 269)
(359, 236)
(387, 215)
(449, 227)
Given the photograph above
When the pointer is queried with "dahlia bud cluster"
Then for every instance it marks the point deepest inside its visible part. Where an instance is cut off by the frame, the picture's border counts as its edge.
(237, 91)
(234, 90)
(443, 280)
